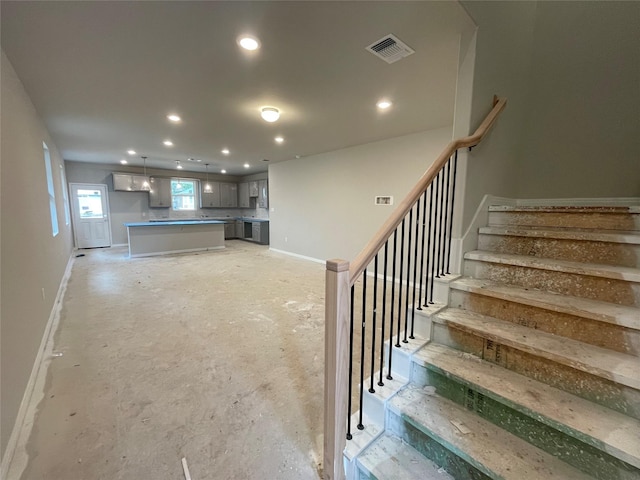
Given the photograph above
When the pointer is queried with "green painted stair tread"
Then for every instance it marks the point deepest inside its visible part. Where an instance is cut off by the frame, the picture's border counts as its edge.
(622, 315)
(389, 458)
(590, 269)
(594, 235)
(615, 366)
(492, 450)
(608, 430)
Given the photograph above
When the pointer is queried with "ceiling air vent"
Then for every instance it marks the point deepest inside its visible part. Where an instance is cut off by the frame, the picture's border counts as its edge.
(390, 49)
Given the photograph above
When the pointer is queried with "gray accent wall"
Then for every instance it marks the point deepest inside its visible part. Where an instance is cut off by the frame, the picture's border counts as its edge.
(322, 206)
(33, 260)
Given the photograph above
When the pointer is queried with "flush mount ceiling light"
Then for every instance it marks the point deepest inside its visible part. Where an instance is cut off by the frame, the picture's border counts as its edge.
(279, 139)
(123, 161)
(383, 104)
(174, 118)
(178, 166)
(248, 42)
(223, 171)
(246, 165)
(131, 152)
(270, 114)
(168, 143)
(225, 151)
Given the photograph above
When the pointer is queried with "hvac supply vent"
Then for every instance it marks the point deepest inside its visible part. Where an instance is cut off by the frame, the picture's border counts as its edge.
(390, 49)
(384, 201)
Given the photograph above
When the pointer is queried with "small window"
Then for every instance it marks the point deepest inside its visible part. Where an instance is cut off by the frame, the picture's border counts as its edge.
(183, 194)
(52, 193)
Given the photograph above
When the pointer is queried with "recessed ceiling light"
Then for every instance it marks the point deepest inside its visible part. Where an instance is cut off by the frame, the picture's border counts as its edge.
(168, 143)
(131, 152)
(248, 42)
(198, 160)
(383, 104)
(225, 151)
(297, 156)
(123, 161)
(270, 114)
(246, 165)
(174, 118)
(223, 171)
(279, 139)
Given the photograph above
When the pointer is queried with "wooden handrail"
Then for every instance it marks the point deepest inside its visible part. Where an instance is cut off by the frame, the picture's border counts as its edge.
(377, 242)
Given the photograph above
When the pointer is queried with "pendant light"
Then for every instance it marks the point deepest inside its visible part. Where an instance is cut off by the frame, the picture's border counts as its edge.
(207, 185)
(145, 183)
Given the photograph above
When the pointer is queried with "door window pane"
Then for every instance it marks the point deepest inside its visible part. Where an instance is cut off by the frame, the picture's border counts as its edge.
(90, 203)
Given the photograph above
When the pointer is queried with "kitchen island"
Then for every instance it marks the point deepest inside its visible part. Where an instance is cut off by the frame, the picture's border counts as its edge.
(178, 236)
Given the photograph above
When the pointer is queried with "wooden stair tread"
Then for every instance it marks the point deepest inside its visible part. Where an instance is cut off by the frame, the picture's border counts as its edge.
(605, 429)
(391, 458)
(486, 446)
(611, 236)
(615, 366)
(590, 269)
(566, 209)
(613, 313)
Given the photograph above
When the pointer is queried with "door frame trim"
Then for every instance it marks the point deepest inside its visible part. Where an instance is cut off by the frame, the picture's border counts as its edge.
(73, 209)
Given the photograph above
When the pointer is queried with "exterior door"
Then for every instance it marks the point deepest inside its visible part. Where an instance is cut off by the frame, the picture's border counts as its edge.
(91, 224)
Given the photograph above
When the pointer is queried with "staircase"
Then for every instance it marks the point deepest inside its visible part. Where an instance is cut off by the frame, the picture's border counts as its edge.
(533, 368)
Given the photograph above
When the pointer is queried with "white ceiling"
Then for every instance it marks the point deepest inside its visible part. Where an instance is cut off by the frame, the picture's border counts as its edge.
(104, 75)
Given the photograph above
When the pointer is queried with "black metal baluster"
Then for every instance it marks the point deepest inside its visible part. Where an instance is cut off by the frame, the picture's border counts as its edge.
(406, 303)
(424, 221)
(400, 282)
(393, 302)
(441, 228)
(446, 215)
(349, 436)
(415, 270)
(393, 290)
(364, 310)
(429, 256)
(373, 322)
(433, 243)
(384, 310)
(438, 221)
(453, 197)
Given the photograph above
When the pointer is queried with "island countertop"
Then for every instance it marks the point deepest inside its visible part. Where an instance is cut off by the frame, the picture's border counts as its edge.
(160, 223)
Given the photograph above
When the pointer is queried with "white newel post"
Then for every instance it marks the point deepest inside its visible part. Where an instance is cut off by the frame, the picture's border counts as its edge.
(336, 361)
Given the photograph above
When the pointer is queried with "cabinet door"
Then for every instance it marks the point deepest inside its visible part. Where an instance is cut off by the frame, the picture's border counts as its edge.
(263, 194)
(209, 197)
(230, 230)
(229, 194)
(122, 182)
(139, 183)
(160, 192)
(243, 195)
(253, 188)
(239, 229)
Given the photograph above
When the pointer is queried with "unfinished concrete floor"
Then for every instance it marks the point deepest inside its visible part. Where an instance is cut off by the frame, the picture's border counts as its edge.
(216, 357)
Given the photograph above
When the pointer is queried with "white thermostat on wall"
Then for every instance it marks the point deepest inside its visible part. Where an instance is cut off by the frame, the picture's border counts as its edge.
(384, 200)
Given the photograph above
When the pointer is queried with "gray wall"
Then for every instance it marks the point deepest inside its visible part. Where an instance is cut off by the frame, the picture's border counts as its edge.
(570, 72)
(32, 259)
(582, 136)
(322, 206)
(134, 206)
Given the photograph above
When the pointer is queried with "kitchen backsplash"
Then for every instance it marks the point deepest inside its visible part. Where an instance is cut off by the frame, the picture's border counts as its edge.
(217, 213)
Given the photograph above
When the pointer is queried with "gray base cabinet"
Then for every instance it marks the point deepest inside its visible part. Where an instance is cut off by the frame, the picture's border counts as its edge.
(229, 230)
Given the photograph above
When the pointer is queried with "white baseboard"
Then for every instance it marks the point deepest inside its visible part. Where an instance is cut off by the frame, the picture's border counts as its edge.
(297, 255)
(15, 456)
